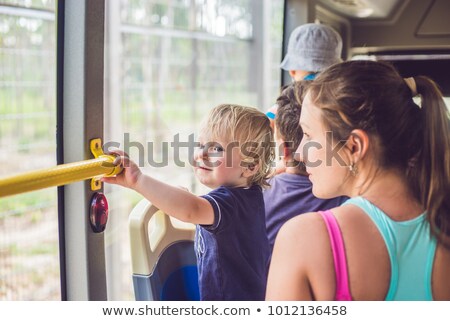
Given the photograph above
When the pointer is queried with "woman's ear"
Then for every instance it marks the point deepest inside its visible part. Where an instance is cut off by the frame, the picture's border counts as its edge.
(357, 145)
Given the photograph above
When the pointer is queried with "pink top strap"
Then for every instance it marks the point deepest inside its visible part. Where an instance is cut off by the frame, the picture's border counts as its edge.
(340, 259)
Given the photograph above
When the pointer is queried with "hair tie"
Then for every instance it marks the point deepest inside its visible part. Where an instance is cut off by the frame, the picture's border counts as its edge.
(412, 85)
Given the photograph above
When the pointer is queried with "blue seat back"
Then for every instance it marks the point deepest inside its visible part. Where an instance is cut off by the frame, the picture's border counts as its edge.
(163, 257)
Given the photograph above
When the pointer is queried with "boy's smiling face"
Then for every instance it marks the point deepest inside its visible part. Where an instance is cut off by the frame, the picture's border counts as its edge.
(219, 164)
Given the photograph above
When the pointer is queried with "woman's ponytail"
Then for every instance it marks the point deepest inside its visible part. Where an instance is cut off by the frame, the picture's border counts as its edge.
(430, 173)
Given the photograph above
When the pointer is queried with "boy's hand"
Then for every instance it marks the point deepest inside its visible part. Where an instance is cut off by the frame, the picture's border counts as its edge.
(130, 173)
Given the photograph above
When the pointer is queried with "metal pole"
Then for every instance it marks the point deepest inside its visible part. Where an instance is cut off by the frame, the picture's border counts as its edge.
(58, 175)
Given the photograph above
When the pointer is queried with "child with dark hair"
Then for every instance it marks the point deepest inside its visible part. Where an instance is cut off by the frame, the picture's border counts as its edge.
(290, 193)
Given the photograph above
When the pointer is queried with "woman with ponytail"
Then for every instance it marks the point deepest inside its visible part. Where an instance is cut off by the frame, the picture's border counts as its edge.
(383, 141)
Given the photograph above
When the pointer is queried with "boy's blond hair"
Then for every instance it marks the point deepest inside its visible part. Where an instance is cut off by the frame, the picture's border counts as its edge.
(246, 128)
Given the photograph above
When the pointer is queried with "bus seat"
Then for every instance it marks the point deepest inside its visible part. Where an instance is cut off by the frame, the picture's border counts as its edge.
(163, 258)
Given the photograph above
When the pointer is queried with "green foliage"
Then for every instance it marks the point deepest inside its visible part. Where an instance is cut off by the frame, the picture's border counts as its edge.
(36, 4)
(37, 249)
(24, 204)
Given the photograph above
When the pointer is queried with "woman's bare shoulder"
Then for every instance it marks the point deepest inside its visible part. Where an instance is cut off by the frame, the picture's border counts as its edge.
(309, 220)
(301, 248)
(306, 234)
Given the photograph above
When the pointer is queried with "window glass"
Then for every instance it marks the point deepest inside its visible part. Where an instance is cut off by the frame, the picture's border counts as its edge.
(30, 4)
(447, 102)
(168, 63)
(29, 256)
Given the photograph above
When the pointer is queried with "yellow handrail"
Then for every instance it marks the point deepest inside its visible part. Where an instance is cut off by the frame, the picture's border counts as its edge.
(59, 175)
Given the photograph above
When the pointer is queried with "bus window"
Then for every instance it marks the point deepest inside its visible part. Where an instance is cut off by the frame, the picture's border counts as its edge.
(29, 255)
(447, 102)
(167, 64)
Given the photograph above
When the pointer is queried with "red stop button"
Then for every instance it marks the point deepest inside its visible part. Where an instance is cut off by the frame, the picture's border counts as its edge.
(99, 212)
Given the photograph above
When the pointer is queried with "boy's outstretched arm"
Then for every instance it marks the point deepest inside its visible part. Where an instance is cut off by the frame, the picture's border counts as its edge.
(172, 200)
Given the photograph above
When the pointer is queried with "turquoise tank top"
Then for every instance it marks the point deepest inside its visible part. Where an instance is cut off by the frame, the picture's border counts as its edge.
(411, 251)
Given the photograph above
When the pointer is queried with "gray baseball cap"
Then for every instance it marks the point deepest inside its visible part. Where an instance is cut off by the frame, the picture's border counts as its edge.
(312, 47)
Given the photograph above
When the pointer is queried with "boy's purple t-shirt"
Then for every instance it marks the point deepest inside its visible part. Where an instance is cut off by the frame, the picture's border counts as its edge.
(233, 252)
(290, 195)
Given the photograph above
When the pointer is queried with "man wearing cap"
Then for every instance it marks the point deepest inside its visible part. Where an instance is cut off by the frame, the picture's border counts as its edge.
(312, 48)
